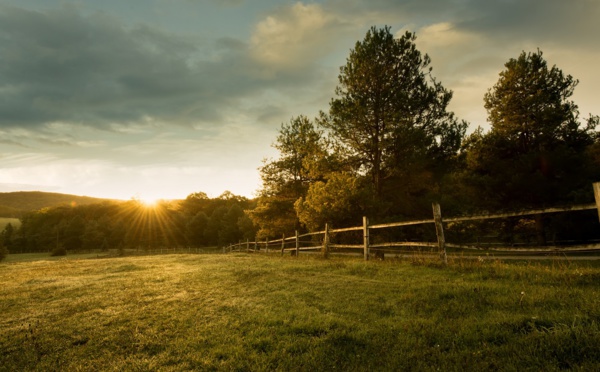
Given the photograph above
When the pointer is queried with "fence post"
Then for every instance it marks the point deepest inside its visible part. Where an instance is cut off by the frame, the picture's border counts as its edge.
(255, 245)
(267, 245)
(326, 242)
(297, 244)
(366, 237)
(597, 196)
(282, 244)
(439, 230)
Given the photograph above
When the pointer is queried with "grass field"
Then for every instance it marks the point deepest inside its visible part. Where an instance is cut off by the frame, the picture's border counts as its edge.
(256, 313)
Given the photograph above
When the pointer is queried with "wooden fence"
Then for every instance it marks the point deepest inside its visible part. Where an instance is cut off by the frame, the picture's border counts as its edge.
(299, 242)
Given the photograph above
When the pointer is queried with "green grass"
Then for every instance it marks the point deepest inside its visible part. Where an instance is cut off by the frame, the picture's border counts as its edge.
(257, 313)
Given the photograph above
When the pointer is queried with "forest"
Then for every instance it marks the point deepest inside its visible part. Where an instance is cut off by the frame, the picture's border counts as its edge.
(386, 148)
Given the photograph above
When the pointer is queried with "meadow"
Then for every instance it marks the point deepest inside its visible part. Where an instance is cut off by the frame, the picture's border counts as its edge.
(250, 312)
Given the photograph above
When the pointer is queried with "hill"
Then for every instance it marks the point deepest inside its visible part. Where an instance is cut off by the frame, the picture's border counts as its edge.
(15, 204)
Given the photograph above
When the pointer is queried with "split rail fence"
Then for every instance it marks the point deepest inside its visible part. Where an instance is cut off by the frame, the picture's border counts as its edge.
(297, 243)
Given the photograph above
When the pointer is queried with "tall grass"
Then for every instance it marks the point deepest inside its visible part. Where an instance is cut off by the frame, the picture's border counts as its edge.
(251, 312)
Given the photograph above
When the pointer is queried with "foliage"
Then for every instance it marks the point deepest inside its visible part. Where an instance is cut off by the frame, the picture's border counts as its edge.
(303, 159)
(301, 150)
(132, 224)
(339, 201)
(530, 107)
(9, 212)
(389, 124)
(196, 228)
(6, 238)
(391, 114)
(3, 250)
(536, 153)
(58, 251)
(241, 312)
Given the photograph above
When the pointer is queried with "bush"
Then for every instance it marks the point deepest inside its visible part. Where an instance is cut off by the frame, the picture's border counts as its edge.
(60, 251)
(3, 252)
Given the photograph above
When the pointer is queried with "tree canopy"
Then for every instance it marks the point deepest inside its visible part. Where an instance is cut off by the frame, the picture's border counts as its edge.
(536, 153)
(303, 158)
(390, 113)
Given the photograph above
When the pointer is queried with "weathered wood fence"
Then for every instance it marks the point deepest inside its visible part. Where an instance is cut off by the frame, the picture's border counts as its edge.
(299, 242)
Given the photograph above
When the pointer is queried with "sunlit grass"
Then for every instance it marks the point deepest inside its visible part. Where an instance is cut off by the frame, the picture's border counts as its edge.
(251, 312)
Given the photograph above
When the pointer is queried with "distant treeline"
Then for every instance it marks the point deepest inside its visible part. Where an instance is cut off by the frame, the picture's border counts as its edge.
(197, 221)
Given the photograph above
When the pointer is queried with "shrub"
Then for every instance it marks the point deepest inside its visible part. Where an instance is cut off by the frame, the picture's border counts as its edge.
(3, 252)
(59, 251)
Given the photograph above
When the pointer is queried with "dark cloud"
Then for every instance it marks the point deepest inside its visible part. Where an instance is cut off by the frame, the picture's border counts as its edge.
(62, 66)
(558, 21)
(230, 3)
(561, 22)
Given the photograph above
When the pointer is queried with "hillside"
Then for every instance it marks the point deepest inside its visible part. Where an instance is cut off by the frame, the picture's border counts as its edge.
(14, 204)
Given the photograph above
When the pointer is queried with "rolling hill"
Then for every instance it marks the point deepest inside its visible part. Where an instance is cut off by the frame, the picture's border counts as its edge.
(15, 204)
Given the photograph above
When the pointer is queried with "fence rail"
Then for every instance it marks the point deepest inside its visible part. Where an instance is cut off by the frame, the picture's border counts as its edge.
(325, 246)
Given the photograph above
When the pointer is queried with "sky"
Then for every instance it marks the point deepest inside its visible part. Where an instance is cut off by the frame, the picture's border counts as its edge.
(162, 98)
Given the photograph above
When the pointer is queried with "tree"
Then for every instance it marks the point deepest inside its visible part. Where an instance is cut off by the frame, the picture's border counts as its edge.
(6, 237)
(339, 201)
(390, 114)
(72, 240)
(303, 159)
(3, 250)
(194, 203)
(529, 106)
(535, 154)
(195, 229)
(247, 227)
(229, 231)
(213, 226)
(92, 237)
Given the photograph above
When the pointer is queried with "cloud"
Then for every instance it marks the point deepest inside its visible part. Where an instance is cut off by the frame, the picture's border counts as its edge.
(294, 36)
(60, 65)
(557, 21)
(221, 3)
(501, 23)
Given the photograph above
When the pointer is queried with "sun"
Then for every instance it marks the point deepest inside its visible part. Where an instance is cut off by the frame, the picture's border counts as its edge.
(149, 201)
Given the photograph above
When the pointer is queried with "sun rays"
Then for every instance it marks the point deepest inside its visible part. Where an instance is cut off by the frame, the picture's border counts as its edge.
(151, 223)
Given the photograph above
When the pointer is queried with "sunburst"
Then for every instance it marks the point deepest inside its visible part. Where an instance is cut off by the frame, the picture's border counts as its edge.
(151, 223)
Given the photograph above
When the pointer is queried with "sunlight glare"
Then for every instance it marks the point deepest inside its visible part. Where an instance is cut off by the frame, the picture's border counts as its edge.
(147, 200)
